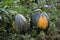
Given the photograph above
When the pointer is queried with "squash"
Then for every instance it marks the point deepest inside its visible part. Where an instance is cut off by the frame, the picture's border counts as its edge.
(40, 20)
(20, 24)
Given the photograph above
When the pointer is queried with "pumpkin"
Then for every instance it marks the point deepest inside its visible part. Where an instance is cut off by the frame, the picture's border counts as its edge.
(40, 19)
(20, 24)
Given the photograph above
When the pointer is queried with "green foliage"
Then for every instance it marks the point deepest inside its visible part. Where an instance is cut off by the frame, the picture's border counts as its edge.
(9, 8)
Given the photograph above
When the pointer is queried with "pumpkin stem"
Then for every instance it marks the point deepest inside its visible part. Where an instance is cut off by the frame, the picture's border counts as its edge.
(38, 10)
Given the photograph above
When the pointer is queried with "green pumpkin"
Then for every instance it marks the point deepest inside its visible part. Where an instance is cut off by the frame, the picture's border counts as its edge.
(20, 24)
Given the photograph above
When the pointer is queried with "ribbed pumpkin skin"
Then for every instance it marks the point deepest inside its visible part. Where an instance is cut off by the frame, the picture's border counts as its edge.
(21, 23)
(41, 20)
(34, 19)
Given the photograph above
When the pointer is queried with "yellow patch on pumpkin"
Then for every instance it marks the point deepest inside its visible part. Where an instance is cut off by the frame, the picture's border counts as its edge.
(43, 22)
